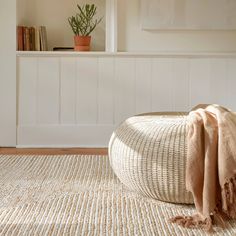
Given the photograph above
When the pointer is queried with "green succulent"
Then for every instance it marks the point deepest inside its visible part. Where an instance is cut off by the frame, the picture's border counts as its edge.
(83, 23)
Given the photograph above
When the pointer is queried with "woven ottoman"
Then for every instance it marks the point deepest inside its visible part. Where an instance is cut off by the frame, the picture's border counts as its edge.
(148, 154)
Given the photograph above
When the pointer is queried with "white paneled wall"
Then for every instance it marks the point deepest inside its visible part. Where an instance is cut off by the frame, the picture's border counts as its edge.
(79, 100)
(48, 87)
(68, 88)
(106, 85)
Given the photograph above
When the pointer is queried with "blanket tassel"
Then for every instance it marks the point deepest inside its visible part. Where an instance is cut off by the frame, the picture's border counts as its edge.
(226, 208)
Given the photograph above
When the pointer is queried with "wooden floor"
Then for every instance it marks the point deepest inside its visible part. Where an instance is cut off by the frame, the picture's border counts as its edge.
(57, 151)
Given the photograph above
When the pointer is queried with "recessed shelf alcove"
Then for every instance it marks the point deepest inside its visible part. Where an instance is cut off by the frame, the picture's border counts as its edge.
(54, 14)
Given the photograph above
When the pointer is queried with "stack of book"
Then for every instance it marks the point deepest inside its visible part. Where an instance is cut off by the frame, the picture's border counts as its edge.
(32, 38)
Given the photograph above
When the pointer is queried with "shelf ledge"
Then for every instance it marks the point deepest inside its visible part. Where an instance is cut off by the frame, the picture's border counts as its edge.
(125, 54)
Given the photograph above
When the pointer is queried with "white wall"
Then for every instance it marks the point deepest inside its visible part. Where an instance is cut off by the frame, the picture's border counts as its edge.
(54, 14)
(132, 38)
(7, 73)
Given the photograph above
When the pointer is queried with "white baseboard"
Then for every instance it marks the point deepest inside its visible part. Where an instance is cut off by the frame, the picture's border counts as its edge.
(64, 136)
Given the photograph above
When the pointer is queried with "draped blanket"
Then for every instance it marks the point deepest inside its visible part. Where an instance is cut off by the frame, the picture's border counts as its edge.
(211, 166)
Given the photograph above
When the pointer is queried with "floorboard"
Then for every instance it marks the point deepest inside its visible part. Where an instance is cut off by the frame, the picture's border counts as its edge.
(54, 151)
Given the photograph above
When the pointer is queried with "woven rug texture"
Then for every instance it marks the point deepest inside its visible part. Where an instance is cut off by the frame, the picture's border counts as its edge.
(80, 195)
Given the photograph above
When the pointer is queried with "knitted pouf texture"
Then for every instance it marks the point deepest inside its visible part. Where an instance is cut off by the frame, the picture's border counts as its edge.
(148, 154)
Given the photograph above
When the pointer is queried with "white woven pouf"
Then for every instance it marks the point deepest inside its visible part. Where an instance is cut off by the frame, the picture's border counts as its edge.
(148, 154)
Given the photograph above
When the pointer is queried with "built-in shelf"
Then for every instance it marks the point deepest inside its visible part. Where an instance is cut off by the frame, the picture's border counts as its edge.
(133, 54)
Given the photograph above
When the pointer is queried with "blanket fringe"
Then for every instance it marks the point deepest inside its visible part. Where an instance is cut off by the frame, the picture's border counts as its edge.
(229, 198)
(226, 208)
(194, 222)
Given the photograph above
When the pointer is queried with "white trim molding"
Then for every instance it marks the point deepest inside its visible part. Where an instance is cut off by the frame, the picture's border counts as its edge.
(111, 25)
(8, 73)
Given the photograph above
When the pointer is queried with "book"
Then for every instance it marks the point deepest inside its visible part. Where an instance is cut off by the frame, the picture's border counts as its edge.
(43, 38)
(32, 38)
(37, 39)
(20, 38)
(63, 49)
(26, 39)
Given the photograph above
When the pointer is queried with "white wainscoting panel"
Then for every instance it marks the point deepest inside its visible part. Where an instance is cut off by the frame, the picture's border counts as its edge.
(231, 83)
(218, 86)
(72, 101)
(68, 90)
(48, 102)
(87, 92)
(143, 99)
(28, 90)
(106, 80)
(181, 85)
(200, 81)
(162, 84)
(124, 91)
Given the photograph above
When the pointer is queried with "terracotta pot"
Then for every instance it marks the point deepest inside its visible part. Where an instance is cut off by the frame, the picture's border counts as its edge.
(82, 43)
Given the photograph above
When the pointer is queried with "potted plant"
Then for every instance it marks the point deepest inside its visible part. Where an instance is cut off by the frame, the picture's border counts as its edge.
(83, 24)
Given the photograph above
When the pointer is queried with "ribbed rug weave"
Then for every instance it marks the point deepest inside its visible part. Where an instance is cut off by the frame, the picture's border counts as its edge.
(79, 195)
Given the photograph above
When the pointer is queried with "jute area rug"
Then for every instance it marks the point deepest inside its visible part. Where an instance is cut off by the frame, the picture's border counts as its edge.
(79, 195)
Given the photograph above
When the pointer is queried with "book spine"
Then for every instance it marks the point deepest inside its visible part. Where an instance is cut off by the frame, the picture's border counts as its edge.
(45, 38)
(37, 39)
(32, 39)
(41, 38)
(20, 40)
(24, 38)
(27, 39)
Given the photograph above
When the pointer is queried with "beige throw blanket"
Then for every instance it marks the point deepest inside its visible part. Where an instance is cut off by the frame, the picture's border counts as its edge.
(211, 166)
